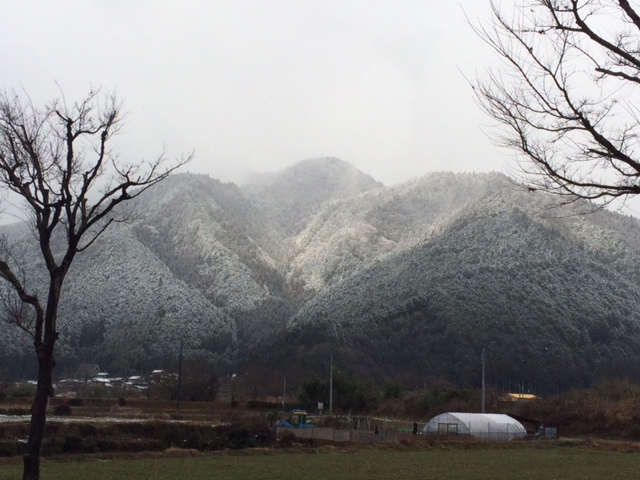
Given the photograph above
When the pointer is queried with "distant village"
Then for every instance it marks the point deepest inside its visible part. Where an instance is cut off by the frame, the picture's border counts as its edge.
(89, 377)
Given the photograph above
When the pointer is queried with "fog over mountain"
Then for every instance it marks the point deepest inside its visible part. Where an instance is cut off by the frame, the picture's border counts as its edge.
(410, 281)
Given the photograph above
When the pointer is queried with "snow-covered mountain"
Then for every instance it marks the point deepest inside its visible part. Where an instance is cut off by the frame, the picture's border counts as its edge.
(411, 281)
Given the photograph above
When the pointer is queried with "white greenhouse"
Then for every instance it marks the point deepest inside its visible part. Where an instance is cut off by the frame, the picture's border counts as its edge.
(484, 426)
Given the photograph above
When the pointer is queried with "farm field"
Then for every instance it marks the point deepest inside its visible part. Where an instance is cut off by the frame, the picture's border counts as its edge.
(365, 463)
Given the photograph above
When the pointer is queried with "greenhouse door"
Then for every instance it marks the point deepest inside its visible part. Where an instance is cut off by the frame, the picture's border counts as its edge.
(447, 429)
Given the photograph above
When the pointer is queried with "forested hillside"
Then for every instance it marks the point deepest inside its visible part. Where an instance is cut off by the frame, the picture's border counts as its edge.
(410, 281)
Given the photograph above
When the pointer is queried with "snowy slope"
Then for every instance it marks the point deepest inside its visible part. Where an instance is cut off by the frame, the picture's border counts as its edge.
(410, 280)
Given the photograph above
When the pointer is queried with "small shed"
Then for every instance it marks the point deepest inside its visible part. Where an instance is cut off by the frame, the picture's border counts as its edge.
(484, 426)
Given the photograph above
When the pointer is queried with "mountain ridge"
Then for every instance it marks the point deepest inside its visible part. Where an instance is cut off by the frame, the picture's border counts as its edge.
(409, 281)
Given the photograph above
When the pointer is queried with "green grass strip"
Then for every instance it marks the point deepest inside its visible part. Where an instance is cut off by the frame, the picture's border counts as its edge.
(476, 464)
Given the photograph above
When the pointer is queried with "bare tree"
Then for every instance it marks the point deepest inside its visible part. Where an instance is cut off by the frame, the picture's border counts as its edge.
(567, 97)
(56, 160)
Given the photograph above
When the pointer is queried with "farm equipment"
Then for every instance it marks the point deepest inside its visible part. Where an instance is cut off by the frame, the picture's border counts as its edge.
(299, 419)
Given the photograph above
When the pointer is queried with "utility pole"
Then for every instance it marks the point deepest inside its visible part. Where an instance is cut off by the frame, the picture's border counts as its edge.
(483, 386)
(331, 386)
(179, 377)
(284, 392)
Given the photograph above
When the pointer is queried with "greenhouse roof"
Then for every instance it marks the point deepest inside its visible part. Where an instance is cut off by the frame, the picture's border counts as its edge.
(474, 423)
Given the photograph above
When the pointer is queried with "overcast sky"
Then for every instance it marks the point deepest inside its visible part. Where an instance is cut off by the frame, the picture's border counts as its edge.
(257, 85)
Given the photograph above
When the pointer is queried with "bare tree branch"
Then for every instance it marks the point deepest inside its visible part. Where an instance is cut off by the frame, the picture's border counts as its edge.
(565, 99)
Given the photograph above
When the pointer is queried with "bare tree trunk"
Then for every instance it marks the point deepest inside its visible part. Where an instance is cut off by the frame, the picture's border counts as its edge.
(31, 458)
(45, 340)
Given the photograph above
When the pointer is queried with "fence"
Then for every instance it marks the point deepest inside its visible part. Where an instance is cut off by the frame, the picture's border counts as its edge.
(338, 435)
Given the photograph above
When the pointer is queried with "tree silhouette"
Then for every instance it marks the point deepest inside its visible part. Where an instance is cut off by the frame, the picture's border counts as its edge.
(56, 160)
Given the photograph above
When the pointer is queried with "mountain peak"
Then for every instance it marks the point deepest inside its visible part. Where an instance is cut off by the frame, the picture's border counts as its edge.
(297, 191)
(330, 171)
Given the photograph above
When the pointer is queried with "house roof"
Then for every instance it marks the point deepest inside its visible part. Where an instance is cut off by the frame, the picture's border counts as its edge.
(520, 396)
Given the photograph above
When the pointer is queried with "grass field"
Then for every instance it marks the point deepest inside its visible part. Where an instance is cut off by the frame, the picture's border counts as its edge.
(329, 463)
